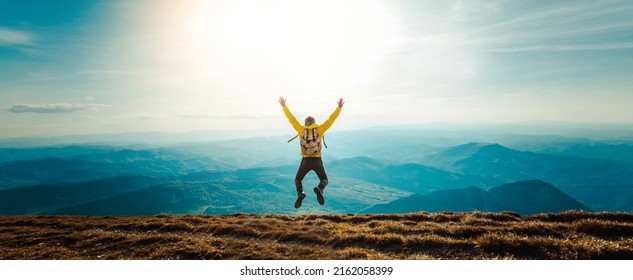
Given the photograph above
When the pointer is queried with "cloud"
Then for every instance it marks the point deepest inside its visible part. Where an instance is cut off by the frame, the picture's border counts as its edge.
(564, 48)
(227, 116)
(50, 108)
(10, 37)
(555, 23)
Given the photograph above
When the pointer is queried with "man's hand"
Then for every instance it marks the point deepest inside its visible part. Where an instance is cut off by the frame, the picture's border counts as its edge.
(282, 101)
(340, 103)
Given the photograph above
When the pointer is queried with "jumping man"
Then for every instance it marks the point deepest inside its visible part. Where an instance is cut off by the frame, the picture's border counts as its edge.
(311, 138)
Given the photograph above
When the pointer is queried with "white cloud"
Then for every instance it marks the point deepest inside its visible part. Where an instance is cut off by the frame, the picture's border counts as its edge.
(228, 116)
(556, 22)
(15, 37)
(563, 48)
(51, 108)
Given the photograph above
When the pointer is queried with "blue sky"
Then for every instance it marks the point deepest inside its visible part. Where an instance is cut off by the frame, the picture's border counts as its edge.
(76, 67)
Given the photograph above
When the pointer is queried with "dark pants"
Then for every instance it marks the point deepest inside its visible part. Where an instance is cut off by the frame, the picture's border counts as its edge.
(311, 164)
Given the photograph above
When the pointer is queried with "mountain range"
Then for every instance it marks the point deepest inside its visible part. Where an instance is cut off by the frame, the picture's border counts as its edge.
(523, 197)
(393, 171)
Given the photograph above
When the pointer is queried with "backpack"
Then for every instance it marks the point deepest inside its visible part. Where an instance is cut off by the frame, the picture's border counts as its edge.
(310, 141)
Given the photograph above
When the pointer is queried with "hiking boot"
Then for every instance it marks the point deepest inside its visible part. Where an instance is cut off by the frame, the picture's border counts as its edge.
(300, 198)
(319, 193)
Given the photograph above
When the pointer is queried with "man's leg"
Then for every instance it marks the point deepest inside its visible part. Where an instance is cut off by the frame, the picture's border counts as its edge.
(301, 173)
(320, 171)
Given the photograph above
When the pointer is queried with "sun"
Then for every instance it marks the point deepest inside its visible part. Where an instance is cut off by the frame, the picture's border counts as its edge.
(303, 44)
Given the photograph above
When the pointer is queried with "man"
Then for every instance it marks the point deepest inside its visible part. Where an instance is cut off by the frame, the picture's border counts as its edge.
(311, 136)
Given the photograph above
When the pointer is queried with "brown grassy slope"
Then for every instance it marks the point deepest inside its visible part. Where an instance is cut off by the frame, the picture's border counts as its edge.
(571, 235)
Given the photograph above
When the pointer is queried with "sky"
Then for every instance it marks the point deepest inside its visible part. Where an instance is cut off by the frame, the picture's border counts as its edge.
(80, 67)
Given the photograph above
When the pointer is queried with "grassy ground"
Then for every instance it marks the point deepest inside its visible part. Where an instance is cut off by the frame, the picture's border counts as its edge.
(571, 235)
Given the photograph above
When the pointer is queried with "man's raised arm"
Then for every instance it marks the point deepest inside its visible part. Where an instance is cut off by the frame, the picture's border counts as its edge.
(328, 123)
(291, 118)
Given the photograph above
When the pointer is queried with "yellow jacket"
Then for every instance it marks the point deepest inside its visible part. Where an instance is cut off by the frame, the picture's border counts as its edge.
(320, 128)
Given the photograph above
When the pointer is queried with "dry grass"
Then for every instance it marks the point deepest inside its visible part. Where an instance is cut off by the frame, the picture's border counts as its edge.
(571, 235)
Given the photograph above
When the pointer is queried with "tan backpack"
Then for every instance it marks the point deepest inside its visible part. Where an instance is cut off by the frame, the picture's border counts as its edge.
(310, 141)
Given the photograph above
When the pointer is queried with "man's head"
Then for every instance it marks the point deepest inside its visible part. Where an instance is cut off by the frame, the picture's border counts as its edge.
(309, 120)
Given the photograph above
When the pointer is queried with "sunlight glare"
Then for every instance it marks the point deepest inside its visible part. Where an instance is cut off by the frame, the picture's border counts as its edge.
(302, 44)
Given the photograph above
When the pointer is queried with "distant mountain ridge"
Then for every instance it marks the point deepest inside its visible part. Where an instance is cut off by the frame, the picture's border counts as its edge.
(412, 177)
(48, 198)
(255, 175)
(524, 197)
(496, 161)
(80, 164)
